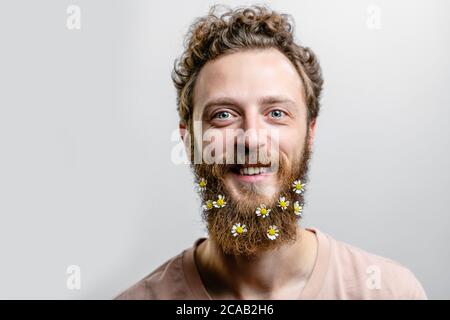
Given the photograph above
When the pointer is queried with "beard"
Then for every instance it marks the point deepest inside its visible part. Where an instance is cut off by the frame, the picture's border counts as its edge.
(220, 220)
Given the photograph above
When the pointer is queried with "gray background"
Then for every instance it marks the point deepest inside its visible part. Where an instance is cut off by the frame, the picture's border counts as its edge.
(86, 124)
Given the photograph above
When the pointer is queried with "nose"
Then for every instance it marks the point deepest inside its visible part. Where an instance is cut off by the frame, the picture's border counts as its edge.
(253, 127)
(254, 139)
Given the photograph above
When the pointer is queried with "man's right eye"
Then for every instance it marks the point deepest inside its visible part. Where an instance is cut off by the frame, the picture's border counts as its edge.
(223, 115)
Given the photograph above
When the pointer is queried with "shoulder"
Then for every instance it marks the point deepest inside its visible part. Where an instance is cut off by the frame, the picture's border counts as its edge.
(165, 282)
(365, 275)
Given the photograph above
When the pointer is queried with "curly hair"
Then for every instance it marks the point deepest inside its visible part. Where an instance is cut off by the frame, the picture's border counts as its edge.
(252, 27)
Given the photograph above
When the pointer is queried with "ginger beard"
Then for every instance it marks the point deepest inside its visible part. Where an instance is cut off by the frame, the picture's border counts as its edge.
(220, 221)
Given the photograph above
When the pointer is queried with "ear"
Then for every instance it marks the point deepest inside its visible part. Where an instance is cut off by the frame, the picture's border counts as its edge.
(185, 136)
(312, 131)
(182, 128)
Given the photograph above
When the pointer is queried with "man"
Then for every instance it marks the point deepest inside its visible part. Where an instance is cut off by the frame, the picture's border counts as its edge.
(248, 99)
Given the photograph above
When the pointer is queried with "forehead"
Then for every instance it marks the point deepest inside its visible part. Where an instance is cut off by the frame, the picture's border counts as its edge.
(246, 76)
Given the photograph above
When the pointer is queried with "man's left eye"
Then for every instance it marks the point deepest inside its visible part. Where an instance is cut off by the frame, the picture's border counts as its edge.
(277, 114)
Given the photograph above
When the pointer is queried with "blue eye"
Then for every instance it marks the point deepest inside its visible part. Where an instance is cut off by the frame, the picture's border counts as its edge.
(277, 114)
(222, 115)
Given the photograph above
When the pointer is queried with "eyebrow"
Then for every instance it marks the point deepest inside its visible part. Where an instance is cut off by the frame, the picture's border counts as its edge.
(265, 100)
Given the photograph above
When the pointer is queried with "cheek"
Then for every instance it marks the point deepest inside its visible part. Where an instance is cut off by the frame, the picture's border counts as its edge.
(214, 144)
(289, 146)
(292, 139)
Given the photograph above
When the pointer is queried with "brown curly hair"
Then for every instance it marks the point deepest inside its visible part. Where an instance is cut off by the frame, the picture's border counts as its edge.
(252, 27)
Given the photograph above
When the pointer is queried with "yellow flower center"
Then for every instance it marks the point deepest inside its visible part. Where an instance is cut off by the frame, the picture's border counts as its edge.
(263, 211)
(239, 230)
(298, 186)
(220, 202)
(283, 203)
(209, 205)
(272, 232)
(202, 184)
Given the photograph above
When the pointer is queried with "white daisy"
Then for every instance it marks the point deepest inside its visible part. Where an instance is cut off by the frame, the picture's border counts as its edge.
(208, 205)
(201, 185)
(262, 211)
(298, 209)
(273, 232)
(298, 186)
(283, 203)
(238, 229)
(220, 203)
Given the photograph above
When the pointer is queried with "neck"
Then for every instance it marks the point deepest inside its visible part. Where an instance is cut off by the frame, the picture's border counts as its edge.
(278, 272)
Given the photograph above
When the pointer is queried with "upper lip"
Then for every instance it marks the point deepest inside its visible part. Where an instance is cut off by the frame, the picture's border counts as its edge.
(256, 165)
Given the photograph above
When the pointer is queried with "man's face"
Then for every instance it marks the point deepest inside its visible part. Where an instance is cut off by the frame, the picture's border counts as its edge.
(252, 104)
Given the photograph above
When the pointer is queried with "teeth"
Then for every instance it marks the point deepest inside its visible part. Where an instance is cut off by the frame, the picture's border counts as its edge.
(253, 170)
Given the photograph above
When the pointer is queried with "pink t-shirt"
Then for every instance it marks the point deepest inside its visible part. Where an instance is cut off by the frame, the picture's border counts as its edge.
(341, 271)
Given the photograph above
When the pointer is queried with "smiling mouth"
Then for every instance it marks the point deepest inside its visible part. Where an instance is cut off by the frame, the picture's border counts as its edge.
(252, 170)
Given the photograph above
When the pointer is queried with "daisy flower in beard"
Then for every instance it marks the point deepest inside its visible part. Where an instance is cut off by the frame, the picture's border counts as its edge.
(273, 232)
(298, 187)
(208, 205)
(283, 203)
(201, 185)
(298, 209)
(220, 202)
(238, 229)
(262, 211)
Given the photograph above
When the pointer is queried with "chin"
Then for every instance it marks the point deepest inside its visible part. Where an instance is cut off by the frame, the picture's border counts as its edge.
(259, 191)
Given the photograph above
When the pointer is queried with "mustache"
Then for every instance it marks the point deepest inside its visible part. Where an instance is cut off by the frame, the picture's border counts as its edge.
(233, 162)
(247, 156)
